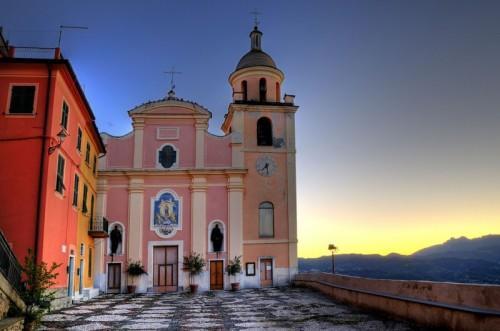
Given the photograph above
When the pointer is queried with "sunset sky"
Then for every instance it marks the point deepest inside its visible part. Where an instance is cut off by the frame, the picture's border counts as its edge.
(398, 131)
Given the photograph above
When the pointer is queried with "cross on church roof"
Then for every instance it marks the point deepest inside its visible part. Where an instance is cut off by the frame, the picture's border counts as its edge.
(172, 72)
(256, 14)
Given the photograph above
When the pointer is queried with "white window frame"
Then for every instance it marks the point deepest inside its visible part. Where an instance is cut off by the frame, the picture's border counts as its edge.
(35, 99)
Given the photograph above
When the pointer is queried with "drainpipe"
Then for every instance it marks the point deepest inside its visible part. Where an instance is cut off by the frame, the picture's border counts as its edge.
(43, 153)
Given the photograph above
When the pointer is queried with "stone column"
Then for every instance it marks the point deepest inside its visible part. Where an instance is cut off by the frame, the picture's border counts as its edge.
(138, 125)
(135, 218)
(235, 205)
(199, 215)
(100, 244)
(201, 127)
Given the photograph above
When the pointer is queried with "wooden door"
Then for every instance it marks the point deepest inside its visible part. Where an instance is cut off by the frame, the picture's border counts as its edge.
(71, 268)
(216, 275)
(114, 277)
(266, 272)
(165, 263)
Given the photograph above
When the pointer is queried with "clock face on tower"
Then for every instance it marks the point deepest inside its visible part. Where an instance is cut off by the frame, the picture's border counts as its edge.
(265, 166)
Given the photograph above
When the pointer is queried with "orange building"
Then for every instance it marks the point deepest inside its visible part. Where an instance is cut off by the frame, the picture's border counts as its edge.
(49, 145)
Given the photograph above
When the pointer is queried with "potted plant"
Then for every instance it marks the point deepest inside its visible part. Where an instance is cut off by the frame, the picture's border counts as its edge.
(135, 269)
(233, 268)
(194, 264)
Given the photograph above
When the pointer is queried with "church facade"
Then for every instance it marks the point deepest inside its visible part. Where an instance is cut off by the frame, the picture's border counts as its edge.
(170, 188)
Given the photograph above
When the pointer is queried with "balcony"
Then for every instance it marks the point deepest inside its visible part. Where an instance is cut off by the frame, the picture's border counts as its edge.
(98, 227)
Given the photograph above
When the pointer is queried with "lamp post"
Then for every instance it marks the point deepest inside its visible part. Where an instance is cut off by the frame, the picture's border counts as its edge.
(333, 248)
(60, 139)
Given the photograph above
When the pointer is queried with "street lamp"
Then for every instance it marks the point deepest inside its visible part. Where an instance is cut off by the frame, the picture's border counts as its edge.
(333, 248)
(60, 139)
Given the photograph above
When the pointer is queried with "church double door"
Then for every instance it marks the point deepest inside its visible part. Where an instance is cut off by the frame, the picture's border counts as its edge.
(217, 275)
(165, 268)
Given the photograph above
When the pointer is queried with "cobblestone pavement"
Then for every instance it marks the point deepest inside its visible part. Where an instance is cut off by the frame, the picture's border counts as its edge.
(271, 308)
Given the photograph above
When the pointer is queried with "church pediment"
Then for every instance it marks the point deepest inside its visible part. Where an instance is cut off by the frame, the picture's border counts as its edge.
(170, 107)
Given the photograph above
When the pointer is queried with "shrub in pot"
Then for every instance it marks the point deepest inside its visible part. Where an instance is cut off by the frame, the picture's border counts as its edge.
(135, 269)
(194, 264)
(233, 269)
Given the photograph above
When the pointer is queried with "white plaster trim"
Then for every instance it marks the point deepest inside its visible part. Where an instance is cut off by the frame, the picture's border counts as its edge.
(175, 137)
(175, 165)
(35, 98)
(266, 241)
(180, 259)
(211, 225)
(162, 185)
(151, 211)
(108, 240)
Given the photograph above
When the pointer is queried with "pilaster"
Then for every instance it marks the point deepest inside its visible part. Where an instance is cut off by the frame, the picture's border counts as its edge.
(99, 244)
(237, 139)
(235, 188)
(292, 194)
(135, 218)
(138, 125)
(201, 127)
(198, 214)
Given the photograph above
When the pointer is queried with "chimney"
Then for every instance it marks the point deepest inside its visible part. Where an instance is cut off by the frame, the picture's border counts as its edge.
(289, 98)
(11, 52)
(57, 53)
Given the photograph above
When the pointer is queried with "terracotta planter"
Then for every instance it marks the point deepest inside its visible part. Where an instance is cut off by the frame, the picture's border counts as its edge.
(235, 286)
(193, 288)
(131, 288)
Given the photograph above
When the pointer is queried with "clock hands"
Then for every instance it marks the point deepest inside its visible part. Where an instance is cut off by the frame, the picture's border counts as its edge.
(266, 167)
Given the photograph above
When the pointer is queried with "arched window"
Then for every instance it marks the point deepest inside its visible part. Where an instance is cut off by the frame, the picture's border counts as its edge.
(266, 219)
(167, 156)
(244, 90)
(262, 90)
(278, 92)
(264, 132)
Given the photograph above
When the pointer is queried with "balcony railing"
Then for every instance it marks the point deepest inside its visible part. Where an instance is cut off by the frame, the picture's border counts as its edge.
(9, 266)
(98, 227)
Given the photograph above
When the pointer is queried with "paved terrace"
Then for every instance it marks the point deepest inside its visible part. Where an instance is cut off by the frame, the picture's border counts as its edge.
(274, 308)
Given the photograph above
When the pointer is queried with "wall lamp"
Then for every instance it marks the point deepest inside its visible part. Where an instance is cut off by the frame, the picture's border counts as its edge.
(60, 139)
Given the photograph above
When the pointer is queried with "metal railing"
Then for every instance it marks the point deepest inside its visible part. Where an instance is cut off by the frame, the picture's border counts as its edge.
(9, 266)
(98, 224)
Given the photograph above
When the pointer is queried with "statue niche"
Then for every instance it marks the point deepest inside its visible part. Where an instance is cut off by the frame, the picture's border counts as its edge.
(217, 238)
(115, 238)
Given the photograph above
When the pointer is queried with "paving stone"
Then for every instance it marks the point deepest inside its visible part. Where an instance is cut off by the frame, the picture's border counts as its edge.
(249, 309)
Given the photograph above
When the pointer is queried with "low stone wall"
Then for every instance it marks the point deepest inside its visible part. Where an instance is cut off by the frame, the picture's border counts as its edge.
(8, 296)
(12, 324)
(441, 305)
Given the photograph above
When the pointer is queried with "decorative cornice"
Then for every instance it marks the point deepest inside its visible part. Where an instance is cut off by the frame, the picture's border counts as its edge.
(129, 172)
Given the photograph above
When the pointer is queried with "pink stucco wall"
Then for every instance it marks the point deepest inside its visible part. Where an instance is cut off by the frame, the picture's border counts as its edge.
(185, 144)
(217, 151)
(120, 151)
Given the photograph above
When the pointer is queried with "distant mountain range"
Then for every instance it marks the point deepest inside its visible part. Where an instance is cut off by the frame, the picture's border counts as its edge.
(459, 260)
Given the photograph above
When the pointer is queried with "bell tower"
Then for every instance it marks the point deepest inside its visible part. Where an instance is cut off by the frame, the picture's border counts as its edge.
(262, 125)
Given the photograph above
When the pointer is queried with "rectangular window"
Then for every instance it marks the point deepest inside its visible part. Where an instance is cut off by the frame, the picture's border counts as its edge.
(79, 140)
(75, 190)
(22, 100)
(60, 175)
(94, 164)
(87, 154)
(84, 204)
(90, 263)
(64, 117)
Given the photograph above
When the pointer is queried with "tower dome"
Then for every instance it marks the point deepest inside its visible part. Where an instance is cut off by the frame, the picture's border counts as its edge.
(256, 57)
